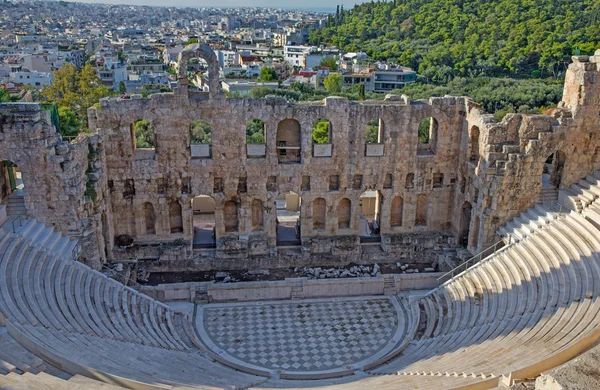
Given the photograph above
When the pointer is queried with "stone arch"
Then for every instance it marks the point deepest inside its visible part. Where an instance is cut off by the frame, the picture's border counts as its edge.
(175, 217)
(421, 213)
(474, 240)
(149, 219)
(552, 171)
(203, 221)
(257, 215)
(410, 180)
(465, 223)
(289, 141)
(474, 143)
(204, 52)
(319, 214)
(344, 213)
(397, 211)
(230, 216)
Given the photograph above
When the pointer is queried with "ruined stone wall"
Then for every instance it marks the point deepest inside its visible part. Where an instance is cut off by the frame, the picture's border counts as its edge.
(473, 176)
(169, 173)
(476, 174)
(54, 172)
(507, 178)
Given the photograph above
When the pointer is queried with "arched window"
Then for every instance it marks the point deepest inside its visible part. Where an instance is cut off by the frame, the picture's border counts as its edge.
(388, 181)
(289, 141)
(142, 135)
(374, 138)
(321, 137)
(175, 217)
(422, 205)
(397, 211)
(427, 134)
(257, 215)
(474, 143)
(374, 131)
(230, 216)
(319, 211)
(255, 131)
(200, 139)
(344, 213)
(149, 218)
(410, 180)
(321, 131)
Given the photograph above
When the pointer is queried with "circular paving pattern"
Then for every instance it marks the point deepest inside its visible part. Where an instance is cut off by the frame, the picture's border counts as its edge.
(300, 336)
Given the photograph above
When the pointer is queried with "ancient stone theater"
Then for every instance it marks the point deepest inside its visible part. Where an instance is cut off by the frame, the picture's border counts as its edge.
(191, 240)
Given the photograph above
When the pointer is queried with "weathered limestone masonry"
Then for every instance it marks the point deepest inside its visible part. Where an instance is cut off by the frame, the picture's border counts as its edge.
(507, 177)
(473, 175)
(53, 172)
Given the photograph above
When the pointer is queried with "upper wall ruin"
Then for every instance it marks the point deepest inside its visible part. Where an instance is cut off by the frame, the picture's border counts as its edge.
(465, 177)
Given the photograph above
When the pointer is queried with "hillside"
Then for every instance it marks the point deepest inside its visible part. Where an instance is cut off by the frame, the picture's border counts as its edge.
(447, 38)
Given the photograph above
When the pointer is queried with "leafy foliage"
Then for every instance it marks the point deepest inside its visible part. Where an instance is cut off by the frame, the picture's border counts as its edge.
(468, 38)
(75, 90)
(424, 130)
(333, 82)
(69, 123)
(372, 131)
(200, 132)
(268, 74)
(144, 135)
(329, 62)
(320, 131)
(255, 132)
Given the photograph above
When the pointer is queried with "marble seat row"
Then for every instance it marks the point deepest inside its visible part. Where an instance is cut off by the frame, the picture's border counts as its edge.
(577, 197)
(91, 324)
(526, 304)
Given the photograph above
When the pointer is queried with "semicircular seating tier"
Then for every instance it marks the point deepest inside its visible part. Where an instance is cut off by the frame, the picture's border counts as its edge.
(525, 309)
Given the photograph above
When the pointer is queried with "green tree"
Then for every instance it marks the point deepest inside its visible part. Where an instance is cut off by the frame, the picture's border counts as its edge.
(144, 135)
(75, 90)
(200, 132)
(191, 41)
(69, 123)
(329, 62)
(255, 132)
(268, 74)
(423, 131)
(372, 131)
(122, 88)
(361, 92)
(260, 92)
(320, 131)
(333, 82)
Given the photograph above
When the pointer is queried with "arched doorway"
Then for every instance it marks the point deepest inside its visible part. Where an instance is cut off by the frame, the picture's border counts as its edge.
(369, 222)
(203, 222)
(465, 224)
(12, 189)
(288, 206)
(553, 168)
(289, 142)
